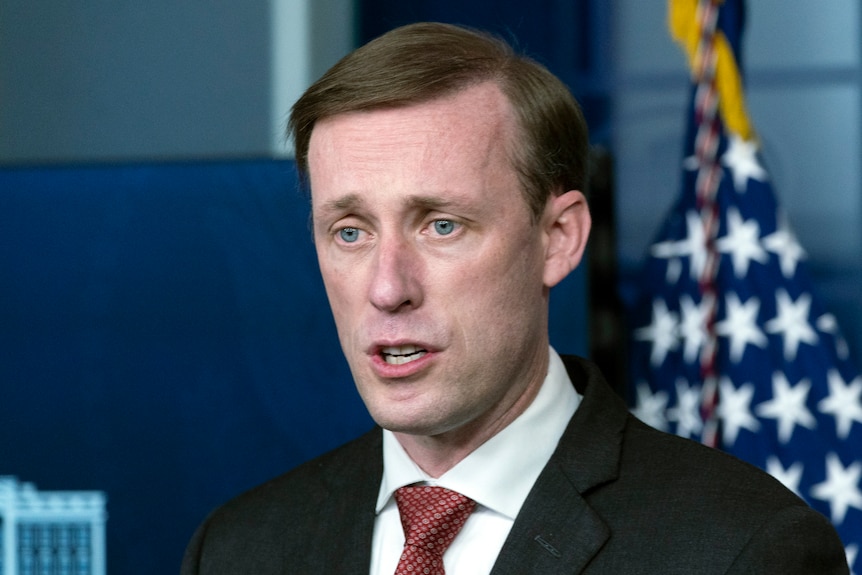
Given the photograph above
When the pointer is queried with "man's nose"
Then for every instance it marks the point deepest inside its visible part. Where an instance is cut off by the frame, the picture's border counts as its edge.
(396, 276)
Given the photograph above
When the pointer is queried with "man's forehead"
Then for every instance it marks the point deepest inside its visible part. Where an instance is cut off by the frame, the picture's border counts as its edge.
(475, 123)
(482, 100)
(430, 153)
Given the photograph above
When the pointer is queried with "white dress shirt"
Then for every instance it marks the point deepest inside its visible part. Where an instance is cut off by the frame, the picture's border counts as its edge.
(498, 476)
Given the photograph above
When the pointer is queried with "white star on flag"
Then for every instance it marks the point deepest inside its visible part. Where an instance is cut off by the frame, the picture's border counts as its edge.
(686, 413)
(827, 323)
(843, 402)
(670, 251)
(692, 328)
(783, 243)
(661, 332)
(787, 406)
(694, 245)
(742, 242)
(651, 407)
(841, 488)
(789, 477)
(740, 325)
(792, 322)
(741, 158)
(734, 410)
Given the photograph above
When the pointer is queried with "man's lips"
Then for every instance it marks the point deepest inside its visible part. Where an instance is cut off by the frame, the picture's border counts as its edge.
(401, 354)
(404, 358)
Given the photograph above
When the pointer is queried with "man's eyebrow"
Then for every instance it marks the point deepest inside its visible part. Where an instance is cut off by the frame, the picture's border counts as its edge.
(353, 201)
(344, 203)
(428, 203)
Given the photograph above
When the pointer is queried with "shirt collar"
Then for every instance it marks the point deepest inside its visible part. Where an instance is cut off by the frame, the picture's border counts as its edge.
(500, 473)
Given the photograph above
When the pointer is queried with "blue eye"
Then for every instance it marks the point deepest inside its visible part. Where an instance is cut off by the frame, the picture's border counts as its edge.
(444, 227)
(348, 235)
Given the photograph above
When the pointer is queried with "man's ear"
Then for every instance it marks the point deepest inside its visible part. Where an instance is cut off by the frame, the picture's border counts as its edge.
(566, 222)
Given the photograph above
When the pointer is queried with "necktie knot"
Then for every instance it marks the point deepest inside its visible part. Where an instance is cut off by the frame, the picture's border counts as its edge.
(431, 518)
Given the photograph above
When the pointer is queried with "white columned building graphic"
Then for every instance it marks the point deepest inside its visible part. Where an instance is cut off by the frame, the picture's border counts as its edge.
(50, 532)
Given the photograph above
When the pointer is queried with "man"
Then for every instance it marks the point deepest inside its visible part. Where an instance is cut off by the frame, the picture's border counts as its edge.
(445, 176)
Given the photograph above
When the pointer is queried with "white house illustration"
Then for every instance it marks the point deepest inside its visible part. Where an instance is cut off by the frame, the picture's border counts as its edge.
(50, 532)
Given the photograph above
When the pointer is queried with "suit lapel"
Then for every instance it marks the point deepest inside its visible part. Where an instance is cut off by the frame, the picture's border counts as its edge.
(557, 531)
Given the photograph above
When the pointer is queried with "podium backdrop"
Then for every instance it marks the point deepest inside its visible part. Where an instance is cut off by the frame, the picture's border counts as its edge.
(165, 338)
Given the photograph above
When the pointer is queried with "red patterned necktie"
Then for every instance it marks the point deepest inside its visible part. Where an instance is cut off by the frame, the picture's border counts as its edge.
(431, 517)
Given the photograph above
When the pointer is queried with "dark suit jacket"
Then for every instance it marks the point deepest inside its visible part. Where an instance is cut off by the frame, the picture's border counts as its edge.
(617, 497)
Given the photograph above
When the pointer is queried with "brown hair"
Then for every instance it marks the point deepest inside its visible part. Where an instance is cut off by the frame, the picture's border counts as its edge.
(420, 62)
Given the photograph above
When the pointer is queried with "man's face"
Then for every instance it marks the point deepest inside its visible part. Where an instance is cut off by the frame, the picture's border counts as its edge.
(432, 263)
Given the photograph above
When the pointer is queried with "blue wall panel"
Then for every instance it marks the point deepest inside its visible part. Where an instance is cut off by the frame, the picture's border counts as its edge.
(165, 337)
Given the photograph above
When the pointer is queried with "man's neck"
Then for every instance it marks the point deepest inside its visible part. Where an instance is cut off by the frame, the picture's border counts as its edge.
(437, 454)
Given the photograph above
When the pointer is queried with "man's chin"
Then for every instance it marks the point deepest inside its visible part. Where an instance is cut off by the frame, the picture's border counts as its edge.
(411, 425)
(419, 426)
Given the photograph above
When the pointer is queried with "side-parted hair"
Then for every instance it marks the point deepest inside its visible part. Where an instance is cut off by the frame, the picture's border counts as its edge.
(421, 62)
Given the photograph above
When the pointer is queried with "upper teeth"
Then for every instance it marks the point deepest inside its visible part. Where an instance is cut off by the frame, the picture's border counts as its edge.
(401, 354)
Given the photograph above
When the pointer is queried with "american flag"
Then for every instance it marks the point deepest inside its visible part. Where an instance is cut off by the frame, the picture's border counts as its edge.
(730, 345)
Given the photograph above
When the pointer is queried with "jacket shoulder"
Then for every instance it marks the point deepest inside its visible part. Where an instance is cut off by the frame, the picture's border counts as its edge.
(307, 484)
(280, 525)
(673, 505)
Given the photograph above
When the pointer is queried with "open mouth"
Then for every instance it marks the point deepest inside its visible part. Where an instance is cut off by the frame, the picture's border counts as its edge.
(401, 354)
